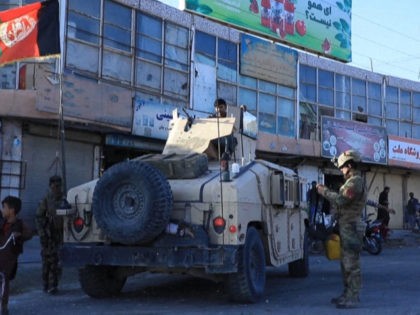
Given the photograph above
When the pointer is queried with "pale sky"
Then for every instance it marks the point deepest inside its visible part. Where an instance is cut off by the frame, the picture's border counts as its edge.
(385, 36)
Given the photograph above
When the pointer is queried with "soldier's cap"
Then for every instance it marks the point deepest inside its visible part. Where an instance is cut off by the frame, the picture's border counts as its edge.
(346, 156)
(55, 179)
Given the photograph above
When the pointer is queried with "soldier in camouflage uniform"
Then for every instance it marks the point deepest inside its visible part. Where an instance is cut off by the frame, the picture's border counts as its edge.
(50, 231)
(349, 202)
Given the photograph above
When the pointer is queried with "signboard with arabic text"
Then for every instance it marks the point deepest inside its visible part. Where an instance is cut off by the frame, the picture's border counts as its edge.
(151, 119)
(322, 26)
(341, 135)
(404, 152)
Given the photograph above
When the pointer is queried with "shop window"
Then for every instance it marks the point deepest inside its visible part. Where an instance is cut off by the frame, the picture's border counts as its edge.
(285, 126)
(267, 113)
(83, 20)
(116, 66)
(416, 99)
(307, 83)
(227, 60)
(148, 75)
(326, 97)
(323, 111)
(374, 121)
(268, 87)
(90, 60)
(117, 56)
(342, 83)
(169, 75)
(117, 26)
(149, 38)
(8, 76)
(10, 4)
(405, 106)
(391, 106)
(342, 100)
(307, 120)
(83, 29)
(248, 98)
(374, 99)
(326, 87)
(358, 96)
(176, 47)
(392, 127)
(405, 130)
(416, 114)
(391, 110)
(375, 108)
(285, 120)
(175, 83)
(416, 132)
(248, 81)
(205, 48)
(227, 92)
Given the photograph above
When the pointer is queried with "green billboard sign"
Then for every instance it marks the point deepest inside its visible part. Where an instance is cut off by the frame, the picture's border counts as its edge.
(322, 26)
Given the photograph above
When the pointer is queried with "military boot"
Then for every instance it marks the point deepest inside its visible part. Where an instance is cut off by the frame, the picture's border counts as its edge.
(337, 299)
(348, 302)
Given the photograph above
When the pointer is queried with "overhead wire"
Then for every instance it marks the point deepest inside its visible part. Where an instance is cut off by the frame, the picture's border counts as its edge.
(403, 55)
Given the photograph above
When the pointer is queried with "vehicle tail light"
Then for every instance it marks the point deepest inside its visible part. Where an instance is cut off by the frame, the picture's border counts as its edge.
(78, 224)
(232, 229)
(219, 224)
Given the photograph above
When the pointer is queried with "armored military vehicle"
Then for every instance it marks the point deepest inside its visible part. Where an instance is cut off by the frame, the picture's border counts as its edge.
(190, 210)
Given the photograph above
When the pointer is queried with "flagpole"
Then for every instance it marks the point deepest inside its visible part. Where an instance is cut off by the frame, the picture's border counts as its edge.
(62, 14)
(62, 129)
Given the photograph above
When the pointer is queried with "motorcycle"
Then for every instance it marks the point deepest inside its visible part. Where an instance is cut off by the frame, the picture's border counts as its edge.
(318, 233)
(372, 240)
(384, 230)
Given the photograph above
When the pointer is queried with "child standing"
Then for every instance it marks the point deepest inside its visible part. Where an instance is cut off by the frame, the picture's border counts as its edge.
(11, 245)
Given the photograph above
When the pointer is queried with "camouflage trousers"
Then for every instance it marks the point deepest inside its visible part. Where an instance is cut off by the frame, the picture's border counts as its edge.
(4, 290)
(51, 269)
(351, 244)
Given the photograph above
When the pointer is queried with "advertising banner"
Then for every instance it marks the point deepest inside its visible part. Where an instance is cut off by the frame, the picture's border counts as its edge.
(404, 152)
(267, 61)
(341, 135)
(322, 26)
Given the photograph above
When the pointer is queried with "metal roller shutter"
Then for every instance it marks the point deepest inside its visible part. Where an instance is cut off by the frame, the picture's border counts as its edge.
(40, 154)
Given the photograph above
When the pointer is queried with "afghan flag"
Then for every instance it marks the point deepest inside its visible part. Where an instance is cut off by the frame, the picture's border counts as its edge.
(30, 31)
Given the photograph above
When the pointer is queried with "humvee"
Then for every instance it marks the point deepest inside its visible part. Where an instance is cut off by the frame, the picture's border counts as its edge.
(188, 211)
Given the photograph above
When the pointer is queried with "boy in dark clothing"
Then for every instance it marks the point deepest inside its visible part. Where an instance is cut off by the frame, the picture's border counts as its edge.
(11, 245)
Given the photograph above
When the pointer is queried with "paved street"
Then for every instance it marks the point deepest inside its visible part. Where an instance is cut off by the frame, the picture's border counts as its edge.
(390, 280)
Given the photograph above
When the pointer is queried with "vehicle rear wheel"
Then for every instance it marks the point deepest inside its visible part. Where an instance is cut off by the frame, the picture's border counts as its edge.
(300, 268)
(248, 284)
(101, 281)
(372, 245)
(132, 202)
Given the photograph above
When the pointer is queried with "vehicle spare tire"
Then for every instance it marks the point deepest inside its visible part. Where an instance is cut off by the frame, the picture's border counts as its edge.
(132, 202)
